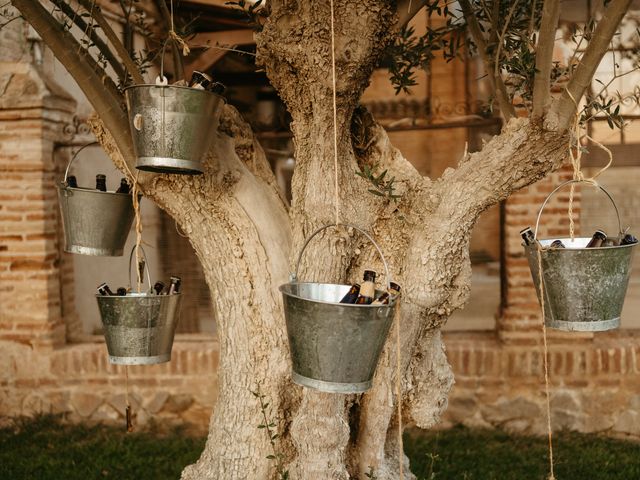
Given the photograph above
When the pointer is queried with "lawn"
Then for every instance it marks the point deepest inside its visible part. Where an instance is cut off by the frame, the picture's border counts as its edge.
(43, 449)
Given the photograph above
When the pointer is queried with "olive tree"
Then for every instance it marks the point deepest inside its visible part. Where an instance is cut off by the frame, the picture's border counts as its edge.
(246, 237)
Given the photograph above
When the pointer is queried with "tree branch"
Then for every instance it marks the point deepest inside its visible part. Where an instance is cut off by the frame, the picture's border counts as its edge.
(407, 9)
(567, 105)
(497, 85)
(129, 65)
(88, 75)
(178, 67)
(91, 33)
(544, 57)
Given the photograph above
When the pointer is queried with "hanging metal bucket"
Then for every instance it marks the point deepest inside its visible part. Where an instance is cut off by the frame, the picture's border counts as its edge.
(584, 288)
(334, 346)
(94, 222)
(139, 327)
(172, 126)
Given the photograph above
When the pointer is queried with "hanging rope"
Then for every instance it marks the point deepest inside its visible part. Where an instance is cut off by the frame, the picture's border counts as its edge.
(127, 413)
(335, 114)
(576, 158)
(398, 391)
(545, 362)
(177, 38)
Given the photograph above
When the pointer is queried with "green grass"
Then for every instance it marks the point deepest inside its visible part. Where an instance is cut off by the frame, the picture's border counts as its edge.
(44, 448)
(463, 454)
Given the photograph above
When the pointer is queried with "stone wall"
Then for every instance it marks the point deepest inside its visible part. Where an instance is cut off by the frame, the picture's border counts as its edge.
(78, 381)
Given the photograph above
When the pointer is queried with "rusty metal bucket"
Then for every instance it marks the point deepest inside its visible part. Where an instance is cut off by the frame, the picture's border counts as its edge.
(334, 346)
(172, 126)
(94, 222)
(584, 288)
(139, 327)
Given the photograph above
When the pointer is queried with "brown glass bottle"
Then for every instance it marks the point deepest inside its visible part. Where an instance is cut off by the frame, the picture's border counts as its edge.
(101, 182)
(628, 239)
(174, 286)
(124, 186)
(597, 239)
(352, 294)
(200, 81)
(557, 244)
(72, 181)
(527, 236)
(104, 290)
(158, 287)
(368, 288)
(388, 296)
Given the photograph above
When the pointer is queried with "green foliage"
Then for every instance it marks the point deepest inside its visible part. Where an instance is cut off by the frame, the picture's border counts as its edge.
(270, 428)
(461, 453)
(46, 449)
(383, 186)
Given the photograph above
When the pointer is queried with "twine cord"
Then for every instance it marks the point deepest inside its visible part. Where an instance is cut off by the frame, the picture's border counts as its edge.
(335, 114)
(337, 221)
(398, 390)
(545, 361)
(576, 158)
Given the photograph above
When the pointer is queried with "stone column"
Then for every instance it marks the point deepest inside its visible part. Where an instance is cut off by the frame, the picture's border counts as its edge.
(33, 111)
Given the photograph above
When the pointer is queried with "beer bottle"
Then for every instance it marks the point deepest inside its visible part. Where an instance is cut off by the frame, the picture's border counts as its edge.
(101, 182)
(200, 80)
(124, 186)
(391, 295)
(103, 289)
(158, 287)
(122, 292)
(217, 87)
(352, 294)
(597, 239)
(174, 286)
(368, 288)
(528, 236)
(557, 244)
(72, 181)
(628, 239)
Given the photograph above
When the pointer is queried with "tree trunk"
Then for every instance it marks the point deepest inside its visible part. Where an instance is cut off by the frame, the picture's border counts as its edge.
(247, 242)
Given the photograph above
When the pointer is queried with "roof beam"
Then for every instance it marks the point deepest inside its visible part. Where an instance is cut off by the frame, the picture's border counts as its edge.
(209, 40)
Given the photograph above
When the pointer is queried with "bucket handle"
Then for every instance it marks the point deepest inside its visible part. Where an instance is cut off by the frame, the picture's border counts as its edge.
(66, 172)
(294, 276)
(146, 265)
(568, 182)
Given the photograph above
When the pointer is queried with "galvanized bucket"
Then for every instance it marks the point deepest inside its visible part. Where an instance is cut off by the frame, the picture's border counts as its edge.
(334, 346)
(94, 222)
(172, 126)
(584, 288)
(139, 327)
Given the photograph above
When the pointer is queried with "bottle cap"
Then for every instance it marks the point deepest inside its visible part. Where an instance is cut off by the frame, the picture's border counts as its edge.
(369, 276)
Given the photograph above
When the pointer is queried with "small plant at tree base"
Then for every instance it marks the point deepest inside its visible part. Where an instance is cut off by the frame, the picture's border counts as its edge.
(270, 428)
(383, 187)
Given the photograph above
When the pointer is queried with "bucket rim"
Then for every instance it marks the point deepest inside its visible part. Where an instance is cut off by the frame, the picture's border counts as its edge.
(147, 85)
(545, 250)
(131, 295)
(338, 304)
(62, 186)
